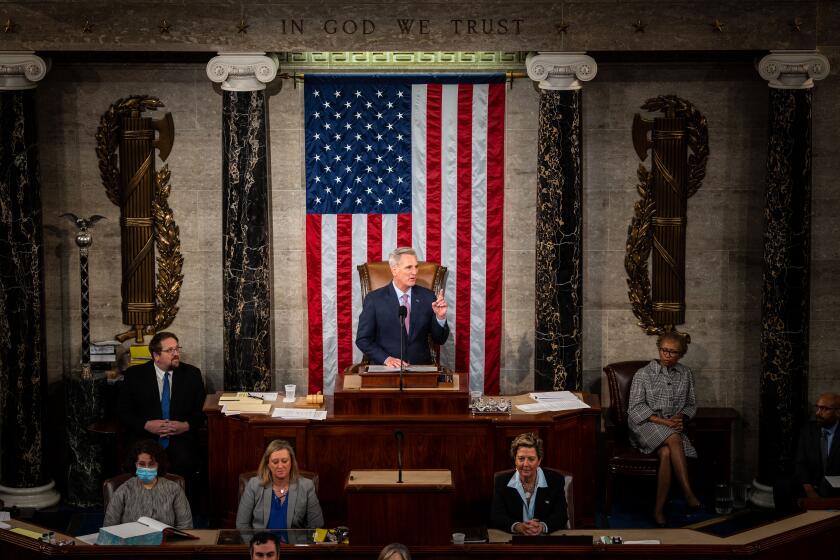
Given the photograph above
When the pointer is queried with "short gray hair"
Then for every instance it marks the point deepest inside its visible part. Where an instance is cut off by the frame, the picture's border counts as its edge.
(396, 255)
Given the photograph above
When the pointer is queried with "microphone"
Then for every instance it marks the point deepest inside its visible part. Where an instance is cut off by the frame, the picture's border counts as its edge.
(403, 315)
(399, 435)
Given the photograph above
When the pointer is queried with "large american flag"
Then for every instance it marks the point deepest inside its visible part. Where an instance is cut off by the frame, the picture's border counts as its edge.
(405, 161)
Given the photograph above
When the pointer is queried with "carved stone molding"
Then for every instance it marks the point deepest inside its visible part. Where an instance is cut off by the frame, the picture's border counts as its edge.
(21, 69)
(561, 71)
(793, 69)
(242, 71)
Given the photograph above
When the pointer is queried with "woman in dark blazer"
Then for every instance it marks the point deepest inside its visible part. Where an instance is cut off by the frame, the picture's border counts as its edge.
(278, 497)
(528, 501)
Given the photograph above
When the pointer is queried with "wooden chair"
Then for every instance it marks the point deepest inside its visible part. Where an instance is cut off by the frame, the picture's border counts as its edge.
(375, 275)
(622, 458)
(110, 485)
(244, 477)
(568, 489)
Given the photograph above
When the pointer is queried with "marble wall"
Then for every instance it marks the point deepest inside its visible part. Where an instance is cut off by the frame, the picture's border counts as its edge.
(724, 245)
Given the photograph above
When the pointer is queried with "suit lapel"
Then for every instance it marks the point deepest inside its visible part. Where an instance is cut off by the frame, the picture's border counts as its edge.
(268, 495)
(293, 498)
(152, 387)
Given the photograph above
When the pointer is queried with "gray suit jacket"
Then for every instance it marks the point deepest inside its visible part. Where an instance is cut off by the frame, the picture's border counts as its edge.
(255, 506)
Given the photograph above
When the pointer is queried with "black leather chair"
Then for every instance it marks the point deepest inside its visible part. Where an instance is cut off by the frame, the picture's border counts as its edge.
(622, 458)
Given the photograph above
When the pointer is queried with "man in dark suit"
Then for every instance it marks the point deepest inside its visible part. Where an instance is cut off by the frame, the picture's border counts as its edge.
(378, 333)
(163, 400)
(817, 456)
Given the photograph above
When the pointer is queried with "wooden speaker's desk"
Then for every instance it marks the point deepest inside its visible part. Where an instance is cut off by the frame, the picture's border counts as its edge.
(473, 448)
(808, 535)
(416, 510)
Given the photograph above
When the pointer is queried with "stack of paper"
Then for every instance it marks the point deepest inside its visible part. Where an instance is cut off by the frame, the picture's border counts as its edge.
(299, 413)
(242, 403)
(553, 401)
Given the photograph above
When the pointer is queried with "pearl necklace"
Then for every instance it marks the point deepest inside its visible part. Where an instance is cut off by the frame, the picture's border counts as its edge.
(528, 488)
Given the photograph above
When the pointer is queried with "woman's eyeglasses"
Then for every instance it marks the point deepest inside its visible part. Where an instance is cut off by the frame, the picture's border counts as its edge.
(670, 352)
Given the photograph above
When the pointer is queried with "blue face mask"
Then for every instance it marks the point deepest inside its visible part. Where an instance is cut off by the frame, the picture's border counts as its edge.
(146, 475)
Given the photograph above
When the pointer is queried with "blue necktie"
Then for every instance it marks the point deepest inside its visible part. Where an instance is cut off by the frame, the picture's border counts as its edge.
(164, 407)
(824, 448)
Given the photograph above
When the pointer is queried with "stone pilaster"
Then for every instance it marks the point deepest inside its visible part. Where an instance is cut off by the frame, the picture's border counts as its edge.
(246, 258)
(23, 370)
(559, 253)
(786, 276)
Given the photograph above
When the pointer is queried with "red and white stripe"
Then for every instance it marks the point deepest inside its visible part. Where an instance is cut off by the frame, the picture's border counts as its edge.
(457, 220)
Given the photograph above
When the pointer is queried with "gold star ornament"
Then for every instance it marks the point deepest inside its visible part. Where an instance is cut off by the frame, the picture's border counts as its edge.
(795, 25)
(561, 27)
(87, 27)
(639, 26)
(9, 26)
(164, 27)
(718, 26)
(242, 27)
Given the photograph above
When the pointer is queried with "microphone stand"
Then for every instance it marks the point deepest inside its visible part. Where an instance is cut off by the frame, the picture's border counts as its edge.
(399, 435)
(403, 314)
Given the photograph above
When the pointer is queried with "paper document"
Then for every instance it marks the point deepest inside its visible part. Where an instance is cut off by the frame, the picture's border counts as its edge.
(645, 541)
(382, 369)
(256, 407)
(235, 397)
(89, 539)
(834, 481)
(422, 369)
(299, 413)
(551, 406)
(554, 396)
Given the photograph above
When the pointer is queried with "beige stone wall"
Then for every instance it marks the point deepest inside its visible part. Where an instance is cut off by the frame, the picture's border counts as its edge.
(724, 224)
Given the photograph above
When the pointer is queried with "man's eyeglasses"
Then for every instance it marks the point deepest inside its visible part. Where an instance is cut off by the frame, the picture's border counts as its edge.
(825, 408)
(172, 350)
(670, 352)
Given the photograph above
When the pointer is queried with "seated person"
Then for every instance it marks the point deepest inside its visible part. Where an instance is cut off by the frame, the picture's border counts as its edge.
(278, 497)
(378, 334)
(264, 546)
(661, 400)
(817, 456)
(394, 551)
(532, 501)
(148, 494)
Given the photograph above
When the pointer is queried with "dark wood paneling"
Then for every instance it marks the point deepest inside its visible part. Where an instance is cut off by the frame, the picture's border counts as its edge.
(471, 447)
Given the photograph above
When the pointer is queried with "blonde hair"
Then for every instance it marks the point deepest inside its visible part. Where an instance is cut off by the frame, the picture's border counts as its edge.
(530, 440)
(264, 472)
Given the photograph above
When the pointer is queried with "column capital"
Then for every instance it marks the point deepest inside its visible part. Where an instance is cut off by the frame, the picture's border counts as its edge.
(561, 70)
(240, 71)
(793, 69)
(21, 69)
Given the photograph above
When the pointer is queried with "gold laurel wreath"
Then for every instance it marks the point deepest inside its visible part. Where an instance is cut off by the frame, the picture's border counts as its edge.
(640, 232)
(167, 235)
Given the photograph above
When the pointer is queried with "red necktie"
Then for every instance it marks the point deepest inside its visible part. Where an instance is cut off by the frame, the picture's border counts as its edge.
(407, 305)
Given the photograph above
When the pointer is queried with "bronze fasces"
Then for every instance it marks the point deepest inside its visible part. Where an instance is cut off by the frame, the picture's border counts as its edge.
(125, 147)
(679, 146)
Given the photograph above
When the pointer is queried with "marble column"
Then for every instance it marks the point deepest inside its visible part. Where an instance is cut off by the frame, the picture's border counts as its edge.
(246, 259)
(559, 258)
(786, 277)
(24, 480)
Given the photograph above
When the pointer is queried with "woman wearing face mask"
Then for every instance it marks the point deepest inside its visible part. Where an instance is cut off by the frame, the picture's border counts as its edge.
(149, 494)
(278, 497)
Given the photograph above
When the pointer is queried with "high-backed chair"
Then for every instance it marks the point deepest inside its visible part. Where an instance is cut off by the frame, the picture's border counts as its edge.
(568, 489)
(375, 275)
(110, 485)
(244, 477)
(622, 458)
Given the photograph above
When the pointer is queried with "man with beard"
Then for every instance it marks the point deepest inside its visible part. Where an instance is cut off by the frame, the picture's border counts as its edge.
(163, 400)
(817, 456)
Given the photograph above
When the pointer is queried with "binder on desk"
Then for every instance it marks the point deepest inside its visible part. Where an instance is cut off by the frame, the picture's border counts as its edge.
(144, 531)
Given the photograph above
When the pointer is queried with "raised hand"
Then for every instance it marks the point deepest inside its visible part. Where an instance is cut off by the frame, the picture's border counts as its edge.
(439, 306)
